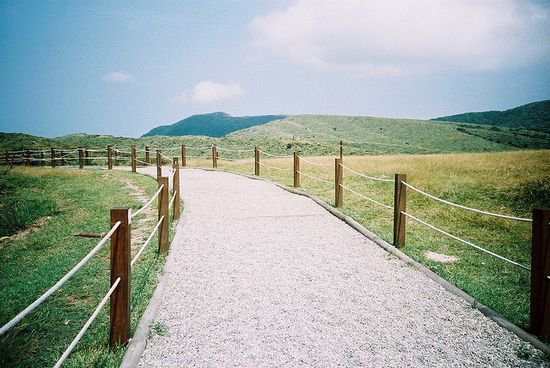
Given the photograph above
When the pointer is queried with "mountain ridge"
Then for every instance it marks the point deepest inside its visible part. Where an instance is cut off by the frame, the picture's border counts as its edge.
(215, 124)
(533, 116)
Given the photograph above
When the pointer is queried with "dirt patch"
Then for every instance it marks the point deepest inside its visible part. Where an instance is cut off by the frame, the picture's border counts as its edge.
(22, 233)
(441, 258)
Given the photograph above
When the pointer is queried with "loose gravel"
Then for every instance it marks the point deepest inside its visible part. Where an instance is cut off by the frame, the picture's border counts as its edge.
(259, 277)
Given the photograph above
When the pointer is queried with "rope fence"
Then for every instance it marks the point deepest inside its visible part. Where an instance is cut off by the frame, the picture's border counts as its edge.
(400, 213)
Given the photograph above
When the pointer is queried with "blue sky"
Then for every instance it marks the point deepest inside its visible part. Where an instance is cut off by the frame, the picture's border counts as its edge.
(122, 68)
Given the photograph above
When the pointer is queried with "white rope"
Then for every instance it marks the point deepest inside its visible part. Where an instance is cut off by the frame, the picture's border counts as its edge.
(198, 148)
(235, 150)
(172, 199)
(148, 203)
(314, 163)
(466, 208)
(274, 155)
(96, 150)
(198, 157)
(95, 158)
(367, 198)
(138, 254)
(274, 167)
(315, 178)
(467, 242)
(60, 283)
(87, 324)
(367, 176)
(143, 162)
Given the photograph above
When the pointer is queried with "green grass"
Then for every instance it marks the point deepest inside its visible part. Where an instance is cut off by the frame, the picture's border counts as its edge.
(33, 263)
(22, 202)
(508, 183)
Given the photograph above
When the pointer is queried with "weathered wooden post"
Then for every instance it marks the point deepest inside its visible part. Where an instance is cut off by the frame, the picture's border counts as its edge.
(7, 155)
(159, 167)
(42, 162)
(109, 157)
(176, 188)
(296, 170)
(163, 211)
(341, 150)
(117, 154)
(338, 181)
(87, 155)
(147, 156)
(62, 156)
(27, 161)
(120, 268)
(399, 205)
(540, 273)
(183, 155)
(214, 156)
(256, 161)
(80, 158)
(52, 157)
(134, 163)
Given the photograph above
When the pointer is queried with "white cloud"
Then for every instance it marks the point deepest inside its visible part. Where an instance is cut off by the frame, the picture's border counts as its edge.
(388, 37)
(118, 76)
(207, 91)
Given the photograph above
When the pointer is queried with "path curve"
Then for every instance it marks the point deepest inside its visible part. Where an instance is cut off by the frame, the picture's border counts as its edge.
(260, 277)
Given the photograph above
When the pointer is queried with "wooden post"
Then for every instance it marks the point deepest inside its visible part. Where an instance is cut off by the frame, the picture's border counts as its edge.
(11, 161)
(163, 211)
(256, 161)
(134, 163)
(176, 188)
(338, 179)
(341, 150)
(109, 157)
(27, 158)
(87, 155)
(7, 155)
(183, 156)
(296, 170)
(399, 205)
(540, 271)
(159, 167)
(52, 157)
(120, 267)
(147, 156)
(80, 158)
(214, 156)
(62, 153)
(117, 154)
(42, 163)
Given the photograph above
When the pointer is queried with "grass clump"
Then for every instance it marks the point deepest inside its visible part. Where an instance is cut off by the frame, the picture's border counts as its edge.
(22, 202)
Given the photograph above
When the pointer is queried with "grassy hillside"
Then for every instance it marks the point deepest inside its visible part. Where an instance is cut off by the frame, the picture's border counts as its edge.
(216, 124)
(534, 116)
(320, 134)
(368, 135)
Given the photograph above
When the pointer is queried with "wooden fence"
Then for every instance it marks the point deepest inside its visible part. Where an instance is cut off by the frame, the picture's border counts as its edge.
(540, 255)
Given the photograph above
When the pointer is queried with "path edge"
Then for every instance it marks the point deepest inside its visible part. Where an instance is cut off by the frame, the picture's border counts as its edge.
(488, 312)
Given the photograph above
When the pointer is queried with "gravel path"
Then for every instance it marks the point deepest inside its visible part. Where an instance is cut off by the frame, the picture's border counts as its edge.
(259, 277)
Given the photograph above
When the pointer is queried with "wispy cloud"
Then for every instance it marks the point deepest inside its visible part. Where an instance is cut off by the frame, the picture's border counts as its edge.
(388, 37)
(118, 77)
(207, 91)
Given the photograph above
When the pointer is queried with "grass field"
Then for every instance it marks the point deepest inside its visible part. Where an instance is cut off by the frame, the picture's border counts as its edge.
(507, 183)
(33, 261)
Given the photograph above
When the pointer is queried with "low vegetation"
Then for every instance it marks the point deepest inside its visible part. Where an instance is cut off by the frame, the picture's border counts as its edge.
(76, 201)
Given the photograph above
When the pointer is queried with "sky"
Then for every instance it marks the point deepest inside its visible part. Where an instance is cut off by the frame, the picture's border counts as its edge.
(123, 68)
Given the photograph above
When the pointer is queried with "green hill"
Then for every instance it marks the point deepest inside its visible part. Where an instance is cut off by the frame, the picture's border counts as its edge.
(370, 135)
(533, 116)
(319, 135)
(216, 124)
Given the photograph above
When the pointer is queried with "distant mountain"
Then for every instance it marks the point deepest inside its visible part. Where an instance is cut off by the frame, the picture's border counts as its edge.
(215, 124)
(533, 116)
